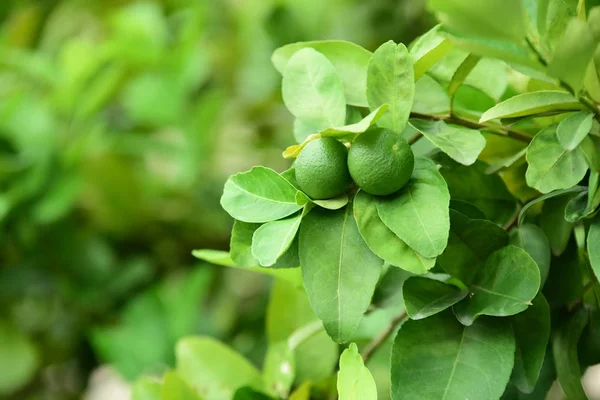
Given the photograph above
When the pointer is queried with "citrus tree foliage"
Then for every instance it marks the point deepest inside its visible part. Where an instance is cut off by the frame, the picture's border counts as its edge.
(492, 248)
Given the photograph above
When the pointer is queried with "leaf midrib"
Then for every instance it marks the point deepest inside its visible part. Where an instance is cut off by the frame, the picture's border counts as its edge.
(339, 285)
(455, 364)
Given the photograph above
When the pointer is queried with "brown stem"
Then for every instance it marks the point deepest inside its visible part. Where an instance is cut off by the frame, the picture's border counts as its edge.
(372, 347)
(414, 138)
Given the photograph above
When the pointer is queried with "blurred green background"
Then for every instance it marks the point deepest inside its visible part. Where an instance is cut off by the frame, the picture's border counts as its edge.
(119, 123)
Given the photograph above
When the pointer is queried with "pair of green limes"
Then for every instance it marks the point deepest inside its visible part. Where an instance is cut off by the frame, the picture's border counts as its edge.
(379, 161)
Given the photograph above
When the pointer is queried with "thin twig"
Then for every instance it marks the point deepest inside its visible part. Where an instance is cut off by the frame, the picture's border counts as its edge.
(514, 219)
(414, 138)
(372, 347)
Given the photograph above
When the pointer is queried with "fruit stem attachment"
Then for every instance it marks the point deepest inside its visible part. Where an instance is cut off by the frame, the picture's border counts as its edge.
(372, 347)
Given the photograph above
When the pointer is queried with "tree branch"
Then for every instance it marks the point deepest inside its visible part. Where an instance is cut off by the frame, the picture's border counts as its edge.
(372, 347)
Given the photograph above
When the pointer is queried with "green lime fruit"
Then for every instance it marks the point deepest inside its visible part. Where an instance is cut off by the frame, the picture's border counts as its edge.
(380, 161)
(322, 169)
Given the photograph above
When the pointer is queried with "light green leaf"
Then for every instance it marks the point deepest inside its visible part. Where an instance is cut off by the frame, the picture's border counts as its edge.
(313, 91)
(357, 128)
(471, 241)
(146, 388)
(505, 285)
(573, 129)
(241, 244)
(430, 97)
(390, 80)
(19, 359)
(349, 59)
(564, 346)
(427, 50)
(175, 388)
(499, 19)
(333, 204)
(577, 208)
(532, 103)
(424, 297)
(302, 392)
(462, 144)
(532, 331)
(418, 214)
(451, 361)
(382, 241)
(259, 195)
(534, 241)
(551, 167)
(354, 381)
(339, 270)
(572, 55)
(462, 72)
(279, 368)
(271, 240)
(593, 247)
(214, 369)
(506, 162)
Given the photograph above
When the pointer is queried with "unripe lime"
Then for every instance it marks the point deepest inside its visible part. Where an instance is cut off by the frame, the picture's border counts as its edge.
(380, 161)
(322, 169)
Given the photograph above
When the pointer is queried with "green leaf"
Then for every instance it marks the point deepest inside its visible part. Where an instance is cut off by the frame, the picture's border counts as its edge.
(499, 19)
(573, 129)
(427, 50)
(279, 368)
(532, 331)
(471, 241)
(313, 91)
(534, 241)
(462, 144)
(259, 195)
(390, 80)
(556, 193)
(425, 297)
(339, 270)
(437, 358)
(553, 17)
(382, 241)
(146, 388)
(353, 130)
(593, 246)
(532, 103)
(418, 213)
(564, 346)
(333, 204)
(175, 388)
(505, 285)
(214, 369)
(246, 393)
(461, 73)
(354, 381)
(302, 392)
(241, 244)
(577, 208)
(430, 97)
(350, 61)
(573, 54)
(19, 359)
(551, 167)
(271, 240)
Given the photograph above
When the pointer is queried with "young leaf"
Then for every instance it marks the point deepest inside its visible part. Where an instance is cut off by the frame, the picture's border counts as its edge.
(339, 270)
(505, 285)
(333, 204)
(551, 167)
(462, 144)
(427, 50)
(593, 247)
(418, 214)
(424, 297)
(271, 240)
(390, 80)
(382, 241)
(349, 59)
(532, 331)
(313, 91)
(214, 369)
(534, 241)
(573, 54)
(564, 346)
(532, 103)
(573, 129)
(471, 241)
(461, 73)
(259, 195)
(438, 358)
(175, 388)
(498, 19)
(357, 128)
(354, 381)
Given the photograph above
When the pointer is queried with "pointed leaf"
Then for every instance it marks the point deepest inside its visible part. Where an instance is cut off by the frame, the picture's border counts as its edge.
(418, 214)
(349, 59)
(357, 128)
(259, 195)
(573, 129)
(532, 103)
(333, 204)
(551, 167)
(437, 358)
(462, 144)
(390, 80)
(564, 346)
(271, 240)
(534, 241)
(339, 270)
(425, 297)
(505, 285)
(461, 73)
(354, 381)
(427, 50)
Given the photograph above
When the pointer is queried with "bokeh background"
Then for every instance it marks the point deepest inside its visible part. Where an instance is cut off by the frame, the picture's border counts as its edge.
(119, 123)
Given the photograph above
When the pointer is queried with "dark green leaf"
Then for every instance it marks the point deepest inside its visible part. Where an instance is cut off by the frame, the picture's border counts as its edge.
(564, 347)
(573, 129)
(354, 381)
(534, 241)
(556, 193)
(532, 103)
(19, 359)
(425, 297)
(247, 393)
(466, 209)
(565, 280)
(554, 225)
(593, 246)
(437, 358)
